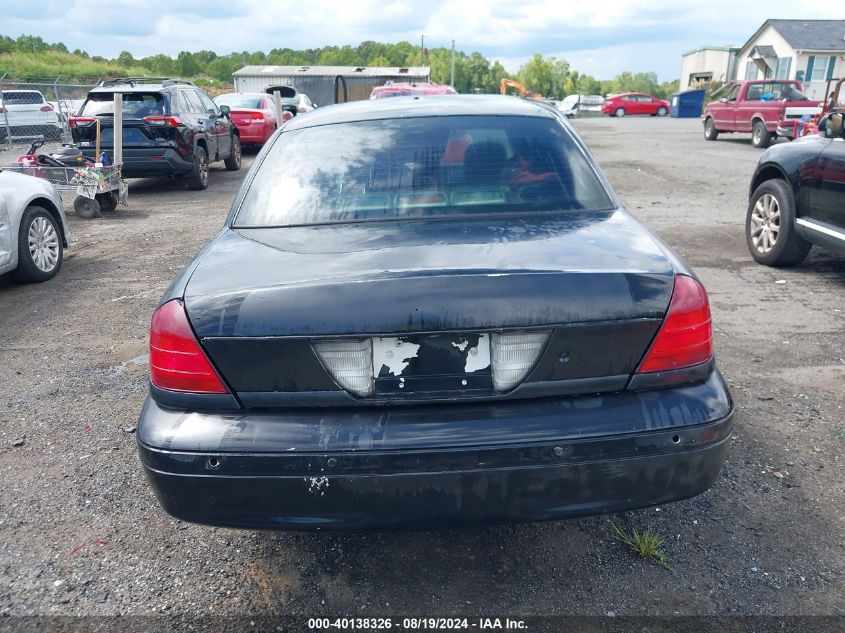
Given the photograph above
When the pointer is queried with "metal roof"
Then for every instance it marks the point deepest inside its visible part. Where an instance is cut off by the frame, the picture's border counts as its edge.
(808, 35)
(333, 71)
(423, 106)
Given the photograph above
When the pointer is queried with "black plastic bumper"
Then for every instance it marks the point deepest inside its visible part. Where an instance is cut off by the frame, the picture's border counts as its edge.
(529, 461)
(149, 162)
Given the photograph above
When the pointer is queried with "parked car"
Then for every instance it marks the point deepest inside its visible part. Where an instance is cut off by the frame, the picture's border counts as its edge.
(170, 128)
(797, 197)
(767, 108)
(28, 115)
(423, 311)
(403, 89)
(573, 104)
(33, 227)
(254, 114)
(634, 103)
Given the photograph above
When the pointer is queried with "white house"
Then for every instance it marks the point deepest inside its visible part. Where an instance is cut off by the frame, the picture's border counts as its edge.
(812, 51)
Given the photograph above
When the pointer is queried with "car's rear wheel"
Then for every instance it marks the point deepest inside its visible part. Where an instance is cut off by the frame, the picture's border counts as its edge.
(661, 111)
(40, 250)
(760, 135)
(710, 131)
(233, 162)
(198, 179)
(770, 226)
(620, 112)
(86, 208)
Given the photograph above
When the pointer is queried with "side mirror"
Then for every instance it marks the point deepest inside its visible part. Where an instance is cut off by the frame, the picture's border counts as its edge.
(723, 100)
(225, 110)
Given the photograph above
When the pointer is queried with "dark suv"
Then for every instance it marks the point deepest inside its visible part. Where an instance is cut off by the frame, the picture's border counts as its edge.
(170, 128)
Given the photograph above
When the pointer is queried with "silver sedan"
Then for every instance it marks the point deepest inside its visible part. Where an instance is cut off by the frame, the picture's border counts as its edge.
(33, 227)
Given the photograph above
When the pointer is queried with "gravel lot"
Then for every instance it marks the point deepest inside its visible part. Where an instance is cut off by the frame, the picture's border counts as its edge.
(81, 533)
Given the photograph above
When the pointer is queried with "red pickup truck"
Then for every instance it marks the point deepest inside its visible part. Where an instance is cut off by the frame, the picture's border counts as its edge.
(767, 108)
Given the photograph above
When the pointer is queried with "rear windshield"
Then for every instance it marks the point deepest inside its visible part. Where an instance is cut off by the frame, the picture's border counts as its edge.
(22, 97)
(135, 104)
(420, 167)
(240, 101)
(774, 91)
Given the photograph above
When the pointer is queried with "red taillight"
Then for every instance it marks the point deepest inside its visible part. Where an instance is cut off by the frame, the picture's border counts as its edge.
(177, 361)
(81, 120)
(46, 108)
(164, 120)
(686, 336)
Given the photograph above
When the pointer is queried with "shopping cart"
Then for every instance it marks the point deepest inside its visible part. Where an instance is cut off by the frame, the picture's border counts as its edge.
(97, 188)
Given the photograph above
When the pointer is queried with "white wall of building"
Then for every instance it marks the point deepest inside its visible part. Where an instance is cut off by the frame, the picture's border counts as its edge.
(712, 61)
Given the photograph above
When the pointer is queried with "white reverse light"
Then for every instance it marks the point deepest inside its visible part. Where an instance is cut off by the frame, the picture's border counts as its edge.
(513, 356)
(350, 362)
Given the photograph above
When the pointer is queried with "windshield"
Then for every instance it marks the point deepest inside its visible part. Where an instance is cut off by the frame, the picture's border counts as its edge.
(135, 104)
(22, 97)
(420, 167)
(240, 101)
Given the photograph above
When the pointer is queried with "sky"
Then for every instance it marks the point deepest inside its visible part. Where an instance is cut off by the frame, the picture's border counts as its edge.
(600, 38)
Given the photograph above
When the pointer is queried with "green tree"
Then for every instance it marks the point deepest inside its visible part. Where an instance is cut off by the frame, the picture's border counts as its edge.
(125, 59)
(186, 65)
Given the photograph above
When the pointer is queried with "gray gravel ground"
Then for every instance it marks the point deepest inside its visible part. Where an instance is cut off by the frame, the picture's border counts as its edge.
(81, 533)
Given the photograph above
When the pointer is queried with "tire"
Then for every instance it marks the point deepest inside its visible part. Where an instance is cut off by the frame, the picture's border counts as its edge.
(107, 201)
(43, 259)
(760, 135)
(86, 207)
(661, 111)
(770, 226)
(619, 112)
(710, 131)
(233, 162)
(198, 180)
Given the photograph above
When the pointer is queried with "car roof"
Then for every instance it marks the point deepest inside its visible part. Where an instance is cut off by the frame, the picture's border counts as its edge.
(422, 106)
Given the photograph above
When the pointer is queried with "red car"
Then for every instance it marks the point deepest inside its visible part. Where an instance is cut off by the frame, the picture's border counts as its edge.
(252, 113)
(635, 103)
(394, 89)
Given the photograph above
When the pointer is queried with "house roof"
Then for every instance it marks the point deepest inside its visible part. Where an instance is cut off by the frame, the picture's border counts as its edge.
(333, 71)
(808, 35)
(764, 51)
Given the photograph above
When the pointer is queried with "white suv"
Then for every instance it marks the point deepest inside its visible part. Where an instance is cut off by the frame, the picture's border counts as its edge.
(27, 115)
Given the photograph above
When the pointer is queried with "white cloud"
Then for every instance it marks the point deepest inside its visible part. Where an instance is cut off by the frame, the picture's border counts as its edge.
(600, 38)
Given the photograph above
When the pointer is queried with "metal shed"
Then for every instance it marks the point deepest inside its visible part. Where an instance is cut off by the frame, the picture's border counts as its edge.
(318, 81)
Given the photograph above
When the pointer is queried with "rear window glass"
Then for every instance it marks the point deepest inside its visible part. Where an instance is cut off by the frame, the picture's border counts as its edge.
(419, 167)
(22, 97)
(240, 101)
(135, 104)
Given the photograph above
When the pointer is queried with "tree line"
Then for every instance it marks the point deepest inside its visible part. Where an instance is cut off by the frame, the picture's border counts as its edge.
(549, 76)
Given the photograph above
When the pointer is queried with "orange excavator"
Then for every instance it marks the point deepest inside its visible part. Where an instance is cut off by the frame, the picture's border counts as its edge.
(523, 91)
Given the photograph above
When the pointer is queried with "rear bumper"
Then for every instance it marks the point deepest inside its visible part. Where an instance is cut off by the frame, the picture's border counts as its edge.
(538, 460)
(148, 162)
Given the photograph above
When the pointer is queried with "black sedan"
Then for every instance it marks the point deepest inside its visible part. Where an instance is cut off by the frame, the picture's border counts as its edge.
(425, 311)
(797, 197)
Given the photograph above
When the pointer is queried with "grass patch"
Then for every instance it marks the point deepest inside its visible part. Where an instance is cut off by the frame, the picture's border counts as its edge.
(647, 544)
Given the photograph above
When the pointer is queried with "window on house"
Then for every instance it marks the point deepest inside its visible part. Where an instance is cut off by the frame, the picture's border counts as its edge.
(750, 70)
(820, 68)
(783, 67)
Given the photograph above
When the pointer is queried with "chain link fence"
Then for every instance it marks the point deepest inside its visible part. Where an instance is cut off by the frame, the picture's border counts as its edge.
(36, 109)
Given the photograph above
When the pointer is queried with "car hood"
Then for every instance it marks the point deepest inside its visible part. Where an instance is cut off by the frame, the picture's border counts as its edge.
(429, 275)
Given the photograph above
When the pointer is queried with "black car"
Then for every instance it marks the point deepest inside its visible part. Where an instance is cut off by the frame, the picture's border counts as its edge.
(797, 197)
(170, 128)
(424, 311)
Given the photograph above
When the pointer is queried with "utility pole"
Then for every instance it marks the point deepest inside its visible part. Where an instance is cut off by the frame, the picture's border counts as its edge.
(452, 82)
(422, 50)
